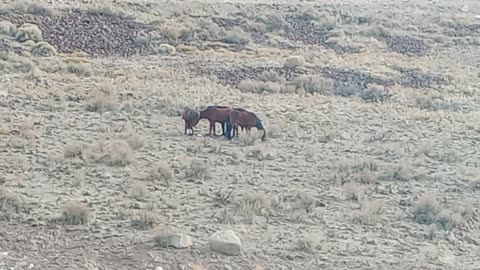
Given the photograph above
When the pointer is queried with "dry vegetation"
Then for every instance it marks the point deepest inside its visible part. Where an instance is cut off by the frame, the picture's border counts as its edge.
(370, 160)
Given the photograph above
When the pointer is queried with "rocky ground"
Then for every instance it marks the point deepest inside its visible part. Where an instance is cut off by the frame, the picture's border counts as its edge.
(372, 119)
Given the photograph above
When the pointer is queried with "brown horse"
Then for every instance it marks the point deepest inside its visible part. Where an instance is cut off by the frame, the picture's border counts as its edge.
(191, 118)
(245, 119)
(215, 114)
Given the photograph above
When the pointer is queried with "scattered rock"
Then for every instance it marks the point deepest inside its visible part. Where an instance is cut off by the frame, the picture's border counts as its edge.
(465, 9)
(226, 242)
(158, 268)
(175, 240)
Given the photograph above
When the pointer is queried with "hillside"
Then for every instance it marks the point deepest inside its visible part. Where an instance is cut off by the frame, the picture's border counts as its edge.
(371, 110)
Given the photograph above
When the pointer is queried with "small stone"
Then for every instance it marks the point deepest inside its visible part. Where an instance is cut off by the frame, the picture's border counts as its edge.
(176, 240)
(158, 268)
(465, 9)
(226, 242)
(180, 240)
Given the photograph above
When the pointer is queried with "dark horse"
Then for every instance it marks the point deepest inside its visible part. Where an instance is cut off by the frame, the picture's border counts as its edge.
(215, 114)
(244, 119)
(191, 118)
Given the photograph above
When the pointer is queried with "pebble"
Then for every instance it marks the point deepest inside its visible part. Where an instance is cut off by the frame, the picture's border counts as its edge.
(225, 242)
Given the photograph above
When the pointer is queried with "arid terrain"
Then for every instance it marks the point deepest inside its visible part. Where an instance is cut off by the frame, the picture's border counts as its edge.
(372, 114)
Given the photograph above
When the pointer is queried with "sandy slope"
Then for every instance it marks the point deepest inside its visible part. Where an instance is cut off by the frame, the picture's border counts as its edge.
(322, 151)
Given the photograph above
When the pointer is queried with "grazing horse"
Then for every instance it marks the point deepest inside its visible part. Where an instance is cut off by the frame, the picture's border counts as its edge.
(191, 118)
(245, 119)
(215, 114)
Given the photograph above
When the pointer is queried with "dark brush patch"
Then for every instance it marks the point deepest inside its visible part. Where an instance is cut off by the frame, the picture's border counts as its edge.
(418, 79)
(407, 45)
(94, 33)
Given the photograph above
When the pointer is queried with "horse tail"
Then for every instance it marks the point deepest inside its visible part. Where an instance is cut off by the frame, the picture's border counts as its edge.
(259, 126)
(228, 128)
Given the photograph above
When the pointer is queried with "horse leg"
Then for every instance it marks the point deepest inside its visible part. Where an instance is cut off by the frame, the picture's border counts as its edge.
(223, 128)
(210, 128)
(186, 126)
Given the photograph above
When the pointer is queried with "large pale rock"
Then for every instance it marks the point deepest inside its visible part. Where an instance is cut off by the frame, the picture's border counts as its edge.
(179, 240)
(225, 242)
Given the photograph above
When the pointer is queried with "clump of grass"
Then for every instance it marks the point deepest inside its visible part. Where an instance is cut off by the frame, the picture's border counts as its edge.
(29, 7)
(105, 99)
(9, 202)
(136, 141)
(360, 171)
(369, 211)
(43, 49)
(28, 31)
(16, 63)
(161, 171)
(251, 204)
(79, 69)
(309, 243)
(196, 168)
(294, 61)
(399, 172)
(314, 84)
(236, 35)
(425, 209)
(246, 139)
(165, 49)
(145, 220)
(75, 213)
(120, 154)
(259, 87)
(139, 191)
(354, 191)
(269, 22)
(7, 28)
(170, 107)
(73, 149)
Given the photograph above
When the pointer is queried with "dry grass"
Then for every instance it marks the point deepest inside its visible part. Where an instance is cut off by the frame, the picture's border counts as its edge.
(161, 171)
(75, 213)
(120, 154)
(145, 219)
(355, 135)
(196, 168)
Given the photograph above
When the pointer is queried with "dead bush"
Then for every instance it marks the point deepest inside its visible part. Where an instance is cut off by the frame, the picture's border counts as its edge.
(139, 191)
(136, 141)
(7, 28)
(170, 106)
(294, 61)
(75, 213)
(369, 212)
(196, 168)
(43, 49)
(9, 201)
(73, 149)
(165, 49)
(314, 84)
(161, 171)
(236, 36)
(375, 93)
(145, 220)
(259, 87)
(269, 22)
(79, 69)
(120, 154)
(28, 31)
(425, 209)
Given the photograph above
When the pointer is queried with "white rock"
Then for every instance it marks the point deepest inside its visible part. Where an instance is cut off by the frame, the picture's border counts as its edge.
(465, 9)
(225, 242)
(180, 240)
(158, 268)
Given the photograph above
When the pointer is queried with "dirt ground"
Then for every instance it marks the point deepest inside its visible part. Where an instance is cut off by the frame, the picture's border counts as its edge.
(371, 110)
